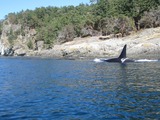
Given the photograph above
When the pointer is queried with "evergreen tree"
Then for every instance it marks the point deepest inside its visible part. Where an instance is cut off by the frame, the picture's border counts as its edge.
(134, 8)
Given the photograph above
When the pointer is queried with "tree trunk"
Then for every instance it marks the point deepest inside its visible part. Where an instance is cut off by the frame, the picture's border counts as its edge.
(136, 22)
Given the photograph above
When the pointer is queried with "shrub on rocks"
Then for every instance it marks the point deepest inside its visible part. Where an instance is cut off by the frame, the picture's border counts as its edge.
(115, 25)
(66, 34)
(85, 32)
(150, 19)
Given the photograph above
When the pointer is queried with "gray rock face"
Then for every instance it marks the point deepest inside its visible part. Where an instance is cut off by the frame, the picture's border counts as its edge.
(16, 44)
(20, 52)
(1, 49)
(39, 45)
(6, 50)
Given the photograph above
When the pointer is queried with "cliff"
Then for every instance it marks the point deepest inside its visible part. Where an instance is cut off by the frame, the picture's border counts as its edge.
(15, 43)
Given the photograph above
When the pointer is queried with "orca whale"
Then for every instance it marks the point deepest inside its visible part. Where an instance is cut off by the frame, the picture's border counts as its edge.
(121, 59)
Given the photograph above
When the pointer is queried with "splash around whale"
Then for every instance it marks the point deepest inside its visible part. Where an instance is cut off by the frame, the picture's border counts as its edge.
(123, 58)
(97, 60)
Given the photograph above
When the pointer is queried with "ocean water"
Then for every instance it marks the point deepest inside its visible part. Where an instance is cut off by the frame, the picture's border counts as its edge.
(46, 89)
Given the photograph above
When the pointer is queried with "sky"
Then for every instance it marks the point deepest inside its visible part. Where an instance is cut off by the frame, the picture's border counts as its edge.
(10, 6)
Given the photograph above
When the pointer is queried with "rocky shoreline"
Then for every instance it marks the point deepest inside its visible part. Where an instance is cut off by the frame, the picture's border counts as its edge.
(143, 43)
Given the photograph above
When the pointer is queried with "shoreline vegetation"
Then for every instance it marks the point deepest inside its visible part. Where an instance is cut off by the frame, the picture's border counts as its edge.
(98, 29)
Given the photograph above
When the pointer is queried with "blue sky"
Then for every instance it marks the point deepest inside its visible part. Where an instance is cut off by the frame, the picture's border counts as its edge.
(8, 6)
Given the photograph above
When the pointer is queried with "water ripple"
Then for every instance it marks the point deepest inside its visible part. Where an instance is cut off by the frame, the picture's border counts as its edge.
(64, 89)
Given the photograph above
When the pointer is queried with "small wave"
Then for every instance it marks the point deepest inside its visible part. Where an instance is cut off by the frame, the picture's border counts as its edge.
(97, 60)
(146, 60)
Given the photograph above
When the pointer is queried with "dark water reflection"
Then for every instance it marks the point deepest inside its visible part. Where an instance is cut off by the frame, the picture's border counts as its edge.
(32, 88)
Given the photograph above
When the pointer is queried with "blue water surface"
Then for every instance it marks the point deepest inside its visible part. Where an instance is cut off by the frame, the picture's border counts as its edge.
(46, 89)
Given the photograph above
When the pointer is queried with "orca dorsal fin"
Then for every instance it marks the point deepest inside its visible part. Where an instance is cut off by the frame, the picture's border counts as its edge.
(123, 53)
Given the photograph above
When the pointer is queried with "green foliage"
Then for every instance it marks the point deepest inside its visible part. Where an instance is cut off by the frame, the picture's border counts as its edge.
(67, 34)
(114, 25)
(108, 16)
(11, 37)
(22, 32)
(150, 19)
(12, 18)
(101, 8)
(50, 21)
(6, 22)
(30, 44)
(133, 8)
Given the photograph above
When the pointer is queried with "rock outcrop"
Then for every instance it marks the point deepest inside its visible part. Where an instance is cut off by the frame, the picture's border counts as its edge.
(13, 42)
(145, 42)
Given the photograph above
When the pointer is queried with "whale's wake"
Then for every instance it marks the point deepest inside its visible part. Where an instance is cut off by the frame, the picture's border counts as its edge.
(98, 60)
(146, 60)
